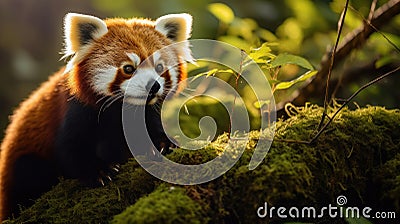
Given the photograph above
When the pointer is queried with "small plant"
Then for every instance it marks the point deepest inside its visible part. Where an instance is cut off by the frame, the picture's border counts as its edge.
(272, 65)
(283, 70)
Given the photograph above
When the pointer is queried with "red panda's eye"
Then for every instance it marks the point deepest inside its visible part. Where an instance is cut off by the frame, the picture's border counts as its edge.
(159, 68)
(129, 69)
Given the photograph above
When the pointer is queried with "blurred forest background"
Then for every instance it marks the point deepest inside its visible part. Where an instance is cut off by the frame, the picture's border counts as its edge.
(31, 38)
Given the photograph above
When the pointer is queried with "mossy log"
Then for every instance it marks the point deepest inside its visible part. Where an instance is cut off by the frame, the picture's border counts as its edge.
(358, 156)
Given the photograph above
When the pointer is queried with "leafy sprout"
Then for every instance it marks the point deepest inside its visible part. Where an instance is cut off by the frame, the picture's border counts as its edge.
(259, 44)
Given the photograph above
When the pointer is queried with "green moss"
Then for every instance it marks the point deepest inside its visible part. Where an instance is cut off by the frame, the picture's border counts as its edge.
(341, 162)
(70, 202)
(357, 156)
(165, 205)
(386, 178)
(345, 160)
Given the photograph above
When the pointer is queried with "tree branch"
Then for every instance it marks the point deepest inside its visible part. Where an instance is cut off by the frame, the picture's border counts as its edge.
(353, 40)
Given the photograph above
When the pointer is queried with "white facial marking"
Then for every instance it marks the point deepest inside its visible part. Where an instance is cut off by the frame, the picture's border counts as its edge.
(173, 72)
(156, 57)
(134, 58)
(135, 87)
(161, 81)
(170, 63)
(102, 79)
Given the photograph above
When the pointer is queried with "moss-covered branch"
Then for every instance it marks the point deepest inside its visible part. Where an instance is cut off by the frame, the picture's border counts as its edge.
(358, 156)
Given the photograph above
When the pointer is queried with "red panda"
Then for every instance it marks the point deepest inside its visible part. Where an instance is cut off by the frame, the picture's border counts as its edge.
(63, 128)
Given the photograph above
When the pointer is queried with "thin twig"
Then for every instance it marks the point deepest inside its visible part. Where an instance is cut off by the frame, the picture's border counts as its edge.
(346, 102)
(322, 127)
(368, 22)
(372, 10)
(242, 57)
(350, 42)
(332, 61)
(350, 99)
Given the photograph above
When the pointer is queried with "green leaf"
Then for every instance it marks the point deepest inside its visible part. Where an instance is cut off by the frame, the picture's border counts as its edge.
(262, 52)
(260, 61)
(302, 78)
(259, 104)
(211, 72)
(284, 85)
(267, 35)
(222, 12)
(284, 59)
(226, 71)
(306, 76)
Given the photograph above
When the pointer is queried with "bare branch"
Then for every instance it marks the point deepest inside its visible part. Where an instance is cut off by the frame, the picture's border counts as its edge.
(332, 61)
(350, 42)
(372, 10)
(350, 99)
(347, 101)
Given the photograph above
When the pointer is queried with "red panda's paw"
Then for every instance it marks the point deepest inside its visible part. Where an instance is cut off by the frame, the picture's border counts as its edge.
(104, 176)
(167, 145)
(163, 145)
(107, 175)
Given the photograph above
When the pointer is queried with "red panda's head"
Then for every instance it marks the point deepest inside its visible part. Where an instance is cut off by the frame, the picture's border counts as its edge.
(108, 54)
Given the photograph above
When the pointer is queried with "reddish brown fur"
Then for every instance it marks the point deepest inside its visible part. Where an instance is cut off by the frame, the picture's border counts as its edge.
(33, 127)
(119, 79)
(34, 124)
(136, 36)
(182, 76)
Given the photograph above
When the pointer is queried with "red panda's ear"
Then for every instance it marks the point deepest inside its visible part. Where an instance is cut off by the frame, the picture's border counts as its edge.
(81, 30)
(176, 27)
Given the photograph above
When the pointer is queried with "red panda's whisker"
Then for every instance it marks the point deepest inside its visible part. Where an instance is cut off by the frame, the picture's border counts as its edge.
(109, 98)
(185, 94)
(101, 98)
(115, 98)
(104, 103)
(71, 98)
(108, 102)
(106, 96)
(169, 91)
(157, 108)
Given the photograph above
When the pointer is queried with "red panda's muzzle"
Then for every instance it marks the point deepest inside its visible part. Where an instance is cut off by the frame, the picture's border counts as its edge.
(153, 87)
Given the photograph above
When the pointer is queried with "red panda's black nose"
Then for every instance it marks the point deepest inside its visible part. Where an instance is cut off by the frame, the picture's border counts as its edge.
(153, 86)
